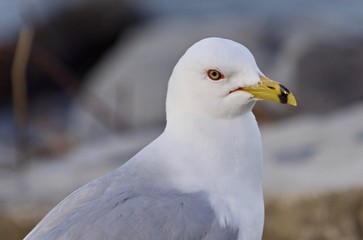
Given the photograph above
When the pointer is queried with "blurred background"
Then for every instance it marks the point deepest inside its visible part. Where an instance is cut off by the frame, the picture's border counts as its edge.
(83, 85)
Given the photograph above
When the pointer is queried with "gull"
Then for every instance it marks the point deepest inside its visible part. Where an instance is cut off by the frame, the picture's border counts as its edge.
(201, 178)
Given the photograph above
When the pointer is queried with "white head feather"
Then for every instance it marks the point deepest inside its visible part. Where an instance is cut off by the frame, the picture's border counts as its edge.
(191, 91)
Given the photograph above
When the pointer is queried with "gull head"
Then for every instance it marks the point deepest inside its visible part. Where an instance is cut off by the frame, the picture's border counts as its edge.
(220, 78)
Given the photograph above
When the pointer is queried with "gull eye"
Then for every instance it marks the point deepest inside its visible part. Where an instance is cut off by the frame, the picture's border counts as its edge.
(215, 74)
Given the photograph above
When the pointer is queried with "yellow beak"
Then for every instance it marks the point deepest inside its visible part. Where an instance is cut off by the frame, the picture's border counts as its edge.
(271, 90)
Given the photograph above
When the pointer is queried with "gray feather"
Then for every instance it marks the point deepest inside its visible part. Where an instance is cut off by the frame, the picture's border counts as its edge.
(120, 207)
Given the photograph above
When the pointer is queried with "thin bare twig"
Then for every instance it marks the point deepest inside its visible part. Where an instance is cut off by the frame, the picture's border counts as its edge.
(19, 86)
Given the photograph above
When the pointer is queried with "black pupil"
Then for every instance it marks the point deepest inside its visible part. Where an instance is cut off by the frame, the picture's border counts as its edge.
(214, 74)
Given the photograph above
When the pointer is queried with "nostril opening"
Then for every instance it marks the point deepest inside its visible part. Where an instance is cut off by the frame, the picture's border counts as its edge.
(271, 88)
(284, 89)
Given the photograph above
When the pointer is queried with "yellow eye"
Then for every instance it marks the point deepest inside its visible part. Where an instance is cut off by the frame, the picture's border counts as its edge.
(215, 74)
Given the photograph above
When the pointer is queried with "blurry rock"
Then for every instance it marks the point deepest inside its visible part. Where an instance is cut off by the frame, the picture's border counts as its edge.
(74, 34)
(78, 36)
(332, 216)
(314, 154)
(313, 177)
(322, 61)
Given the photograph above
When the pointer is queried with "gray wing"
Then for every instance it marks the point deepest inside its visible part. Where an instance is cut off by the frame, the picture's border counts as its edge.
(131, 211)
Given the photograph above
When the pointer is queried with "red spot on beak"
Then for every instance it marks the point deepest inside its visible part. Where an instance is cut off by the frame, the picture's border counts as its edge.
(237, 89)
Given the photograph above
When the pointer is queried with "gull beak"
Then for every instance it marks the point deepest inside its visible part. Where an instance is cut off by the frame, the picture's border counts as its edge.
(267, 89)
